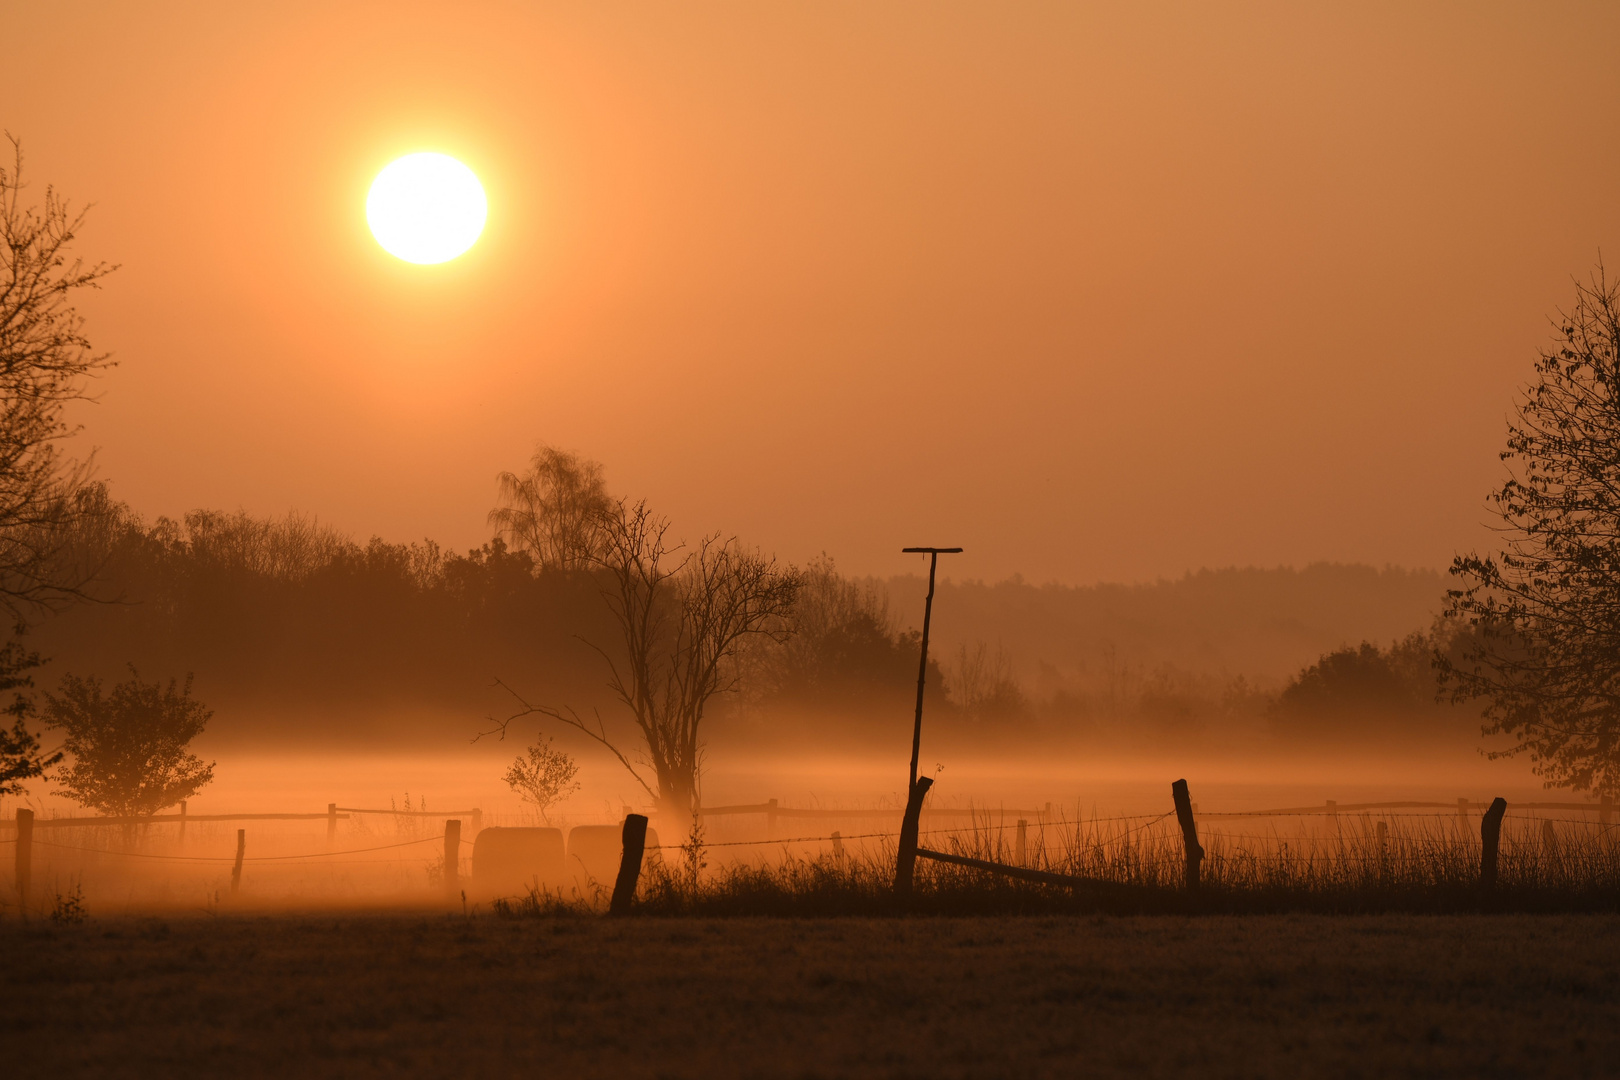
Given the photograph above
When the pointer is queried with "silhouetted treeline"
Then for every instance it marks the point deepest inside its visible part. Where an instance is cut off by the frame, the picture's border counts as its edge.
(290, 624)
(297, 631)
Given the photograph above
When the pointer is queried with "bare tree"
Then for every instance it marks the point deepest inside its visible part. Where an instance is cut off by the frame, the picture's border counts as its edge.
(45, 361)
(682, 621)
(1545, 610)
(554, 510)
(982, 683)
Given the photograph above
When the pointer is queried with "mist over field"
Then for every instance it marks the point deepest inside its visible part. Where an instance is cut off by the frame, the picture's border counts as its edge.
(780, 540)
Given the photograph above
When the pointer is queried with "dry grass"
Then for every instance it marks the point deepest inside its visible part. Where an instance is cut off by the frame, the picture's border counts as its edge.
(1419, 864)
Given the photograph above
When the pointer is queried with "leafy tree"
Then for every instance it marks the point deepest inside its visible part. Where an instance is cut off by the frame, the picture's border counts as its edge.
(21, 755)
(543, 777)
(554, 511)
(129, 746)
(1545, 609)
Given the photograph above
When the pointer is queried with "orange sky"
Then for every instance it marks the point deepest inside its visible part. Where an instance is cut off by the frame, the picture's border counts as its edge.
(1098, 292)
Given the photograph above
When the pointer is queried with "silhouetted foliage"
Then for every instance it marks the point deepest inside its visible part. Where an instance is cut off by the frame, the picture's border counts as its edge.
(1545, 609)
(843, 651)
(1359, 688)
(543, 776)
(554, 511)
(21, 755)
(129, 747)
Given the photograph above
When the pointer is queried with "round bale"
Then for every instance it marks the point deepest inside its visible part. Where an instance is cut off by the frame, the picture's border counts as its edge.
(507, 860)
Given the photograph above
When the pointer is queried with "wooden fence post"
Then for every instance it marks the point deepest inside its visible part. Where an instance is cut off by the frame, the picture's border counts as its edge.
(635, 844)
(1605, 810)
(331, 823)
(236, 868)
(1490, 834)
(905, 862)
(452, 857)
(1189, 831)
(1549, 840)
(838, 849)
(182, 822)
(1020, 850)
(770, 820)
(25, 857)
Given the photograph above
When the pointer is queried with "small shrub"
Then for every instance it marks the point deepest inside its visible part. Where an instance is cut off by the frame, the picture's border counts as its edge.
(69, 909)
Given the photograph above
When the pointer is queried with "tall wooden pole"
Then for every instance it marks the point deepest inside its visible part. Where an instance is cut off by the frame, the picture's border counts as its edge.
(906, 859)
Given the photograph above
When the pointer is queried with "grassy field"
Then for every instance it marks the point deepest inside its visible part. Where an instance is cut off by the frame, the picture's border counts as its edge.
(572, 996)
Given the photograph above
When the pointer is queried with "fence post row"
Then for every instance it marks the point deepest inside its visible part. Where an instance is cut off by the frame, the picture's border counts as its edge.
(25, 856)
(1189, 830)
(236, 868)
(635, 843)
(1490, 835)
(452, 857)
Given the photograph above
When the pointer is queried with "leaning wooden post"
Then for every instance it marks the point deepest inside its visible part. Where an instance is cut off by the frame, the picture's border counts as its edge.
(236, 868)
(1490, 834)
(25, 857)
(905, 862)
(331, 823)
(452, 857)
(1020, 849)
(1189, 831)
(635, 844)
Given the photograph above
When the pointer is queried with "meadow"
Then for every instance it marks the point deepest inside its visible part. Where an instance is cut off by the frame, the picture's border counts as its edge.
(448, 995)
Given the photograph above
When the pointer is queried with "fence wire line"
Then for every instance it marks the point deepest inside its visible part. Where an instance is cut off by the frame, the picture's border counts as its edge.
(232, 858)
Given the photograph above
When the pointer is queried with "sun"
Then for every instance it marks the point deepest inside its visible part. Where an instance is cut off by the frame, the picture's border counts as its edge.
(426, 208)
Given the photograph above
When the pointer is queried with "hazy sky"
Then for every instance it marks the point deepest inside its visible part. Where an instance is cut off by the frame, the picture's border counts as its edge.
(1095, 291)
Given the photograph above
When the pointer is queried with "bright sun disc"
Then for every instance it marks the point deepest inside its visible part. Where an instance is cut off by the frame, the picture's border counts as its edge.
(426, 208)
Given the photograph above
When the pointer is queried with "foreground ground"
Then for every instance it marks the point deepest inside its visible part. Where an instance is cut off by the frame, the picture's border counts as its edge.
(442, 996)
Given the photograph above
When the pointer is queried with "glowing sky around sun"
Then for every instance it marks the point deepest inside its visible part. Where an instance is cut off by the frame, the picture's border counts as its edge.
(1096, 292)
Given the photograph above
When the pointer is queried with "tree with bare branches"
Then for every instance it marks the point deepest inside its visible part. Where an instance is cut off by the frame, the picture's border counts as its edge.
(1544, 654)
(683, 619)
(45, 363)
